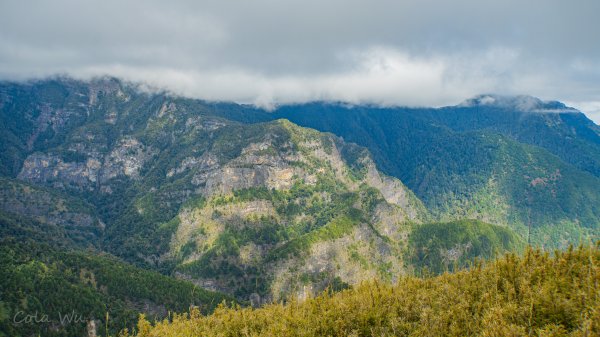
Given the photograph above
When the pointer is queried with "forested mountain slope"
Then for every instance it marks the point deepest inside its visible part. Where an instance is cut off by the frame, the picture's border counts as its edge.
(489, 163)
(74, 289)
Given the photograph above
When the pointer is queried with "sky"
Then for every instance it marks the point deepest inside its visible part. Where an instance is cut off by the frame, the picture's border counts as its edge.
(269, 52)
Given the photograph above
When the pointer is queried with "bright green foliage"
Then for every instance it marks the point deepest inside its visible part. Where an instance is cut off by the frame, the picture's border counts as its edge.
(533, 295)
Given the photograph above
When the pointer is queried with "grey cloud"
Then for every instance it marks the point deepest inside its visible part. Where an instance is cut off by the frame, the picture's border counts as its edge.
(266, 51)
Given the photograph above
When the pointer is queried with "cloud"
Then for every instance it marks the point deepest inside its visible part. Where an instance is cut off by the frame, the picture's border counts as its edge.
(591, 109)
(379, 75)
(268, 52)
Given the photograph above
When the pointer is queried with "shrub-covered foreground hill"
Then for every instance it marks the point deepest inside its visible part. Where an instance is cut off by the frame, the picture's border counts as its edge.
(533, 295)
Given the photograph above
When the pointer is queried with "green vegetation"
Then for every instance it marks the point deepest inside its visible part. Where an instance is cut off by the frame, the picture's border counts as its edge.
(440, 247)
(335, 229)
(245, 202)
(148, 167)
(36, 278)
(272, 238)
(499, 165)
(43, 214)
(533, 295)
(494, 163)
(234, 240)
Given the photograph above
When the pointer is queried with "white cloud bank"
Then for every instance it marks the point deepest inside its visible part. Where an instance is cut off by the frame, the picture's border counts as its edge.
(270, 52)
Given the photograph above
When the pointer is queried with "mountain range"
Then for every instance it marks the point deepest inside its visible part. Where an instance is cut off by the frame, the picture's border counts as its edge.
(102, 182)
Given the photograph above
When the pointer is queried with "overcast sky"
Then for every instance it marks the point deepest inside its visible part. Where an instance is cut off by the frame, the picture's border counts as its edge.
(266, 52)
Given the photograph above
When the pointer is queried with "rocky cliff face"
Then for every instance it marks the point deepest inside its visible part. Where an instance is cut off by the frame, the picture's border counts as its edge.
(289, 216)
(262, 211)
(125, 160)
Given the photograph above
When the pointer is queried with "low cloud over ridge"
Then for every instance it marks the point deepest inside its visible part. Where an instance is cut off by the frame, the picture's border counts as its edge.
(269, 52)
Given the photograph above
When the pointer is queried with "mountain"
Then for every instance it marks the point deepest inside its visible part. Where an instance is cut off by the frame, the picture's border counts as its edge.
(564, 131)
(187, 188)
(292, 211)
(514, 161)
(530, 169)
(52, 265)
(226, 204)
(105, 177)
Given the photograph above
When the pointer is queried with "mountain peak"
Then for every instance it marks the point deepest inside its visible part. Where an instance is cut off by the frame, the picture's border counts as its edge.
(523, 103)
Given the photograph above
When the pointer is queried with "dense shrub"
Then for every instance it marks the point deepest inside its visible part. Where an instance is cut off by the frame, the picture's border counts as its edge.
(537, 294)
